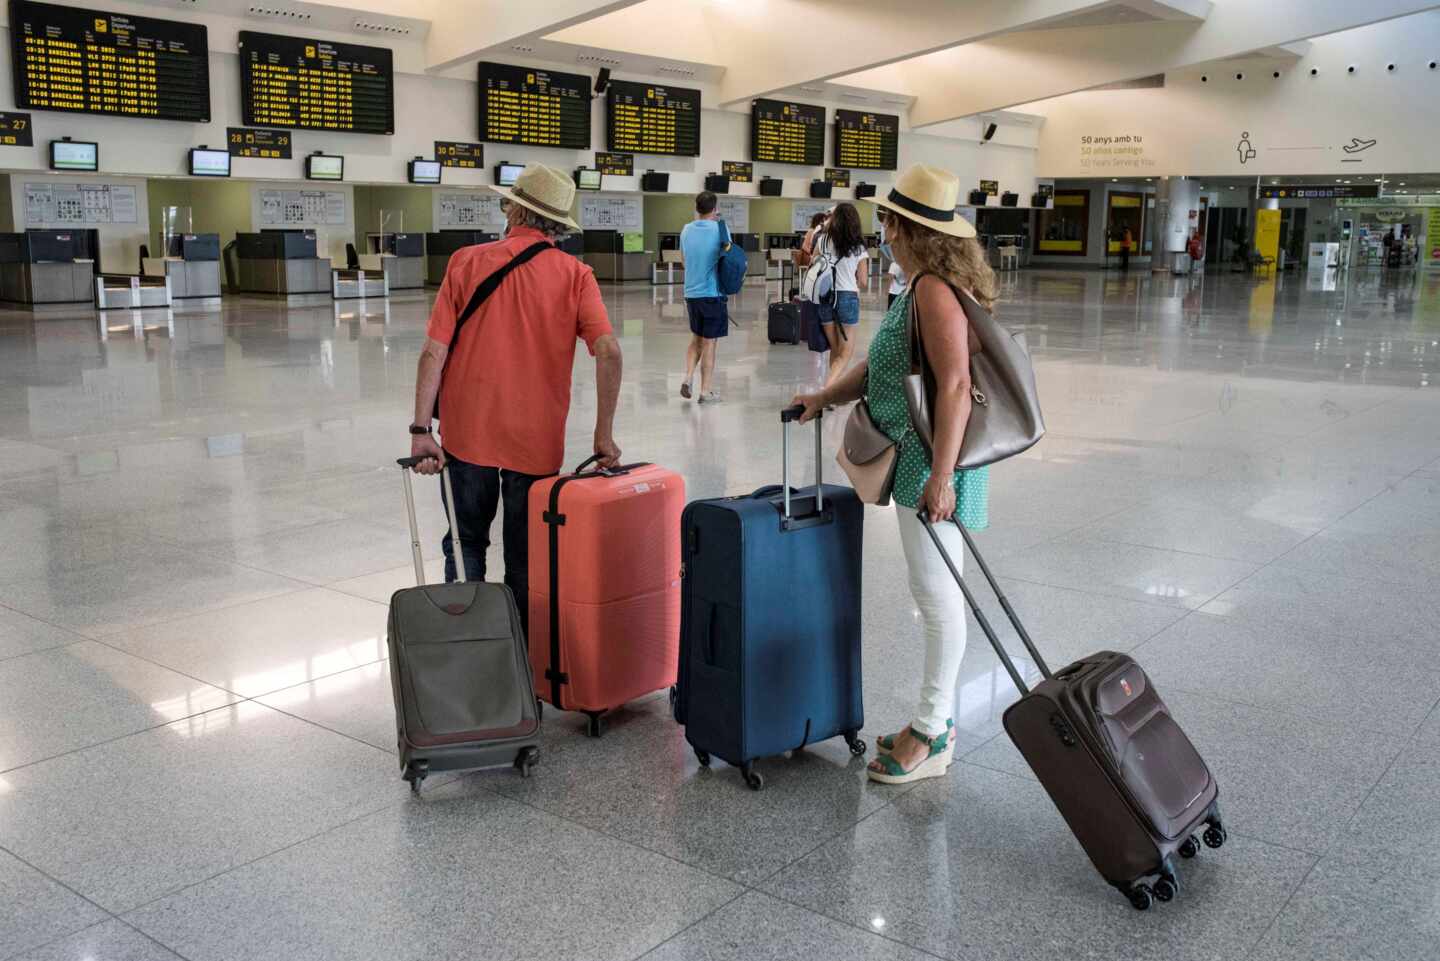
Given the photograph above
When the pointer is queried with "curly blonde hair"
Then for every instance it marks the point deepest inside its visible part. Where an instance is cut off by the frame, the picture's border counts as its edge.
(959, 260)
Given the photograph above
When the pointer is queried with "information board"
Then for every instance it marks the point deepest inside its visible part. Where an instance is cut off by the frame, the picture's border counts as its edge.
(302, 208)
(473, 211)
(615, 164)
(316, 85)
(67, 204)
(739, 171)
(89, 61)
(451, 153)
(787, 133)
(649, 118)
(16, 130)
(803, 211)
(611, 213)
(991, 187)
(735, 211)
(837, 177)
(541, 108)
(258, 143)
(870, 141)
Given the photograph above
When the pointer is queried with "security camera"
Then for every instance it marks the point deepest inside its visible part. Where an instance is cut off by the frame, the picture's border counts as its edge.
(1204, 79)
(1350, 69)
(1390, 66)
(1432, 64)
(1239, 76)
(1276, 75)
(1314, 71)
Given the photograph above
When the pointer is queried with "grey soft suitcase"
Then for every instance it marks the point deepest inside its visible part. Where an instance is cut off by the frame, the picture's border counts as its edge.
(459, 668)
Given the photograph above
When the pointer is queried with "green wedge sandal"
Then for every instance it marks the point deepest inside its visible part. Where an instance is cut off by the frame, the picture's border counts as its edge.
(935, 763)
(885, 743)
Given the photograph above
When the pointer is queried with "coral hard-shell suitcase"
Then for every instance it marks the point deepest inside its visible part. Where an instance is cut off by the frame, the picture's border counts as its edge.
(605, 586)
(1122, 772)
(458, 670)
(770, 621)
(784, 323)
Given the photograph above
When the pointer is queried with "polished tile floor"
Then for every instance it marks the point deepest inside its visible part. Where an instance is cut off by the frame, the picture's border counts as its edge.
(199, 532)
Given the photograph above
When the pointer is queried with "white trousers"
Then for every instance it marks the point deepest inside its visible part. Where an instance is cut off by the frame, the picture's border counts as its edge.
(942, 609)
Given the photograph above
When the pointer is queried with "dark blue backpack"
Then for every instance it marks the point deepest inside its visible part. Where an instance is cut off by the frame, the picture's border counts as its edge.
(731, 270)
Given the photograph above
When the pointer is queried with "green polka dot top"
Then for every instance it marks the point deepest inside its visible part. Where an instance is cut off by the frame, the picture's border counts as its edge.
(885, 393)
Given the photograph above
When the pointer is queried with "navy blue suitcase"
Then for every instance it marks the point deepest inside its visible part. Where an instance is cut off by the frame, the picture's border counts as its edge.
(770, 620)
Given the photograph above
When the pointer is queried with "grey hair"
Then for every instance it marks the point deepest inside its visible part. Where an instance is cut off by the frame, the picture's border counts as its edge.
(552, 229)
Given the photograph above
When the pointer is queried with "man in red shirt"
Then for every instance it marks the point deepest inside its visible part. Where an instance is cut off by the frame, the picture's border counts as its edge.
(506, 385)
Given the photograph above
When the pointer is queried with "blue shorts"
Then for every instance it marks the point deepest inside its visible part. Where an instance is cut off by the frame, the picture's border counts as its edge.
(846, 310)
(709, 316)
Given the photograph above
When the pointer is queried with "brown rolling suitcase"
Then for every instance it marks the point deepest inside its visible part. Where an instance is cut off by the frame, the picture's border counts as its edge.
(1098, 736)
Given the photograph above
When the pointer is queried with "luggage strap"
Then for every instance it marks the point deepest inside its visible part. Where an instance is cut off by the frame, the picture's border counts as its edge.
(980, 617)
(554, 520)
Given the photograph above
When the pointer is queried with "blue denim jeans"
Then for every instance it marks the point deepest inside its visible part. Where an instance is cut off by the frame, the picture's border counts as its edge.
(479, 492)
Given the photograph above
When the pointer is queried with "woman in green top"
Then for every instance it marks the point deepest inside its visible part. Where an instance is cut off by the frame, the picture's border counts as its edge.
(932, 243)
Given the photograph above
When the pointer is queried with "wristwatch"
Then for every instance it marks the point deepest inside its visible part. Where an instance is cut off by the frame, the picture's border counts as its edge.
(417, 429)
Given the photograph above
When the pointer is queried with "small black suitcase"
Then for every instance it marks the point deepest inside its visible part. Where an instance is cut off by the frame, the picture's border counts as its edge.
(459, 670)
(1122, 772)
(784, 324)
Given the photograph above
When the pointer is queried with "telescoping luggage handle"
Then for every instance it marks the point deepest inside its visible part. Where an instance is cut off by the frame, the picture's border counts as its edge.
(406, 465)
(786, 416)
(984, 622)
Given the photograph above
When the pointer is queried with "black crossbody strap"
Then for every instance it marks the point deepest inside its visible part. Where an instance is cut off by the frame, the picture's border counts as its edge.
(489, 284)
(484, 290)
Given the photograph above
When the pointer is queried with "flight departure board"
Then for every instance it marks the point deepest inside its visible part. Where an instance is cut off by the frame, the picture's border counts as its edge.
(537, 107)
(649, 118)
(870, 141)
(787, 133)
(315, 84)
(89, 61)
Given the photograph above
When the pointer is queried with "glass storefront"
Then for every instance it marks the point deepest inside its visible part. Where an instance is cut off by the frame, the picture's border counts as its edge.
(1065, 227)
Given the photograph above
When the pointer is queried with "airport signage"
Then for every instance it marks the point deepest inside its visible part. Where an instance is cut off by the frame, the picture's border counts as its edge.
(1318, 191)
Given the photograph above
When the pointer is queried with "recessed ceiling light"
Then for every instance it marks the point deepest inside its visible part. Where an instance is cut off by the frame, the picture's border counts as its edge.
(1114, 180)
(1402, 183)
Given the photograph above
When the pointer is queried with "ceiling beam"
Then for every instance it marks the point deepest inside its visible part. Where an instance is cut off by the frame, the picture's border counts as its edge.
(859, 34)
(462, 30)
(1023, 68)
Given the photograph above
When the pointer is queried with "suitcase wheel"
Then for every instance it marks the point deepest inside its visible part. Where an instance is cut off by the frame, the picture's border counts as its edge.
(857, 746)
(1141, 897)
(596, 727)
(526, 760)
(1190, 848)
(415, 773)
(1166, 888)
(703, 757)
(1215, 835)
(752, 776)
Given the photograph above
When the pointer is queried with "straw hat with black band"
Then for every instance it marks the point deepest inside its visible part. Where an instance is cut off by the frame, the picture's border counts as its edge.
(928, 195)
(545, 190)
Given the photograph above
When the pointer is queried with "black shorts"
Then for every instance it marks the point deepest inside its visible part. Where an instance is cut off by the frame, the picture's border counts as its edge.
(709, 316)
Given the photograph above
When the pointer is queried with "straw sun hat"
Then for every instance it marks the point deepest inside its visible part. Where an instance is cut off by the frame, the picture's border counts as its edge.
(544, 190)
(928, 195)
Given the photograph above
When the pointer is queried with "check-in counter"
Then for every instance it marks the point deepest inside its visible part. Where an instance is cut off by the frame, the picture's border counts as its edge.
(281, 262)
(48, 266)
(191, 265)
(606, 255)
(441, 246)
(399, 256)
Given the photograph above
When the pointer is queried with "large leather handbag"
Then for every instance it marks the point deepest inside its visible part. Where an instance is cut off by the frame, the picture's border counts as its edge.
(868, 456)
(1005, 417)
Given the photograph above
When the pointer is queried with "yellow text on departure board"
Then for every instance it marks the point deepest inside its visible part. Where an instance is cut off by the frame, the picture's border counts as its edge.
(65, 75)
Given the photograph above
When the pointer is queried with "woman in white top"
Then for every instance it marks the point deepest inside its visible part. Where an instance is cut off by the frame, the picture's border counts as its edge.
(844, 245)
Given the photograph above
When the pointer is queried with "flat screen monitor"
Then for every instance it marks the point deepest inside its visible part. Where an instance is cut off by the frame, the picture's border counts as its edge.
(209, 163)
(424, 171)
(74, 155)
(587, 179)
(506, 174)
(324, 167)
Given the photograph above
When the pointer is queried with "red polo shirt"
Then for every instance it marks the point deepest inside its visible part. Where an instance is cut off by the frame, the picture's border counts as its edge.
(506, 391)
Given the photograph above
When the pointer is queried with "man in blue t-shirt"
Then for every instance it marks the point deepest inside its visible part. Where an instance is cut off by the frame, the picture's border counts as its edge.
(709, 316)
